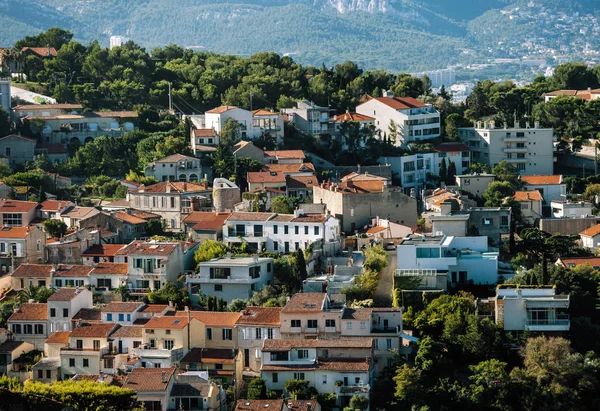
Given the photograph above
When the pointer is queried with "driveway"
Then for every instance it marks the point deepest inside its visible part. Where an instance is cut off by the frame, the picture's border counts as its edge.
(383, 295)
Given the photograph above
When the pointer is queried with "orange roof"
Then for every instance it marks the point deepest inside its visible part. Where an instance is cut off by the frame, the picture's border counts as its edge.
(286, 154)
(149, 248)
(259, 316)
(541, 180)
(98, 330)
(103, 250)
(167, 322)
(400, 103)
(149, 379)
(110, 268)
(204, 132)
(15, 206)
(32, 270)
(264, 113)
(15, 232)
(206, 220)
(301, 181)
(266, 177)
(54, 205)
(31, 312)
(41, 51)
(64, 270)
(347, 116)
(290, 168)
(591, 232)
(575, 261)
(527, 196)
(211, 318)
(128, 218)
(305, 302)
(376, 229)
(221, 109)
(59, 337)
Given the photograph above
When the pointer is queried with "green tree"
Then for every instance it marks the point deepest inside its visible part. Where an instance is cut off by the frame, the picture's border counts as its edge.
(300, 267)
(282, 205)
(409, 388)
(451, 177)
(507, 172)
(574, 76)
(392, 133)
(296, 388)
(55, 228)
(257, 389)
(5, 124)
(443, 170)
(358, 403)
(169, 293)
(497, 193)
(208, 250)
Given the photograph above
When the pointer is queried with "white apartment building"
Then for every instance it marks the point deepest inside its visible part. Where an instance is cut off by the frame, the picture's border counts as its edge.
(466, 259)
(253, 123)
(178, 167)
(310, 118)
(413, 170)
(414, 120)
(476, 184)
(283, 232)
(530, 150)
(64, 304)
(255, 325)
(551, 187)
(231, 278)
(571, 209)
(536, 309)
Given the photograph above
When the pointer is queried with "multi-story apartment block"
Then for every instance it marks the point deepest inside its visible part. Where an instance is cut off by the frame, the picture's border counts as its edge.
(64, 304)
(268, 123)
(255, 325)
(413, 119)
(536, 309)
(253, 124)
(20, 245)
(466, 259)
(165, 340)
(54, 208)
(476, 184)
(282, 232)
(530, 150)
(360, 197)
(311, 314)
(89, 350)
(123, 313)
(172, 200)
(341, 366)
(70, 275)
(151, 264)
(231, 278)
(178, 167)
(414, 171)
(310, 118)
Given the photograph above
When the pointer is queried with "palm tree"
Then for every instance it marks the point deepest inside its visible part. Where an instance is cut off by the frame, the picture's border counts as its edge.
(30, 293)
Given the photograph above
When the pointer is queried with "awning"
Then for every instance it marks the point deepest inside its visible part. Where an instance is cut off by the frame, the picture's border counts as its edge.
(409, 337)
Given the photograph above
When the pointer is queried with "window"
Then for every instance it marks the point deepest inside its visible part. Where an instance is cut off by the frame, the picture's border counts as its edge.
(39, 329)
(172, 202)
(220, 273)
(316, 230)
(168, 332)
(275, 246)
(504, 220)
(10, 219)
(227, 334)
(7, 151)
(240, 230)
(428, 252)
(121, 317)
(269, 333)
(40, 374)
(466, 182)
(299, 376)
(348, 325)
(330, 323)
(254, 272)
(218, 366)
(311, 323)
(53, 312)
(296, 229)
(487, 221)
(209, 333)
(28, 329)
(109, 317)
(279, 356)
(268, 267)
(129, 317)
(16, 328)
(363, 325)
(388, 343)
(258, 230)
(275, 377)
(169, 344)
(274, 229)
(302, 354)
(48, 374)
(96, 345)
(218, 287)
(409, 166)
(86, 363)
(71, 362)
(305, 230)
(295, 324)
(285, 229)
(65, 312)
(259, 333)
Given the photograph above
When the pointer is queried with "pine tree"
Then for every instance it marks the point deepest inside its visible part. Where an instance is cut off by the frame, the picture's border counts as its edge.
(450, 178)
(443, 170)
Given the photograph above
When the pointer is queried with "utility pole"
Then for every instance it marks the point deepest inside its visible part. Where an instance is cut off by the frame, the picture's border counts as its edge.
(170, 99)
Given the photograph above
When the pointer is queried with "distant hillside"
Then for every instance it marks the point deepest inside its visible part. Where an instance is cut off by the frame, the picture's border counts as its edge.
(391, 34)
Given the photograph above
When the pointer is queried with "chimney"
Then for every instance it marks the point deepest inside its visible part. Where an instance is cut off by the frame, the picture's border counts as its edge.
(163, 376)
(446, 208)
(358, 167)
(168, 187)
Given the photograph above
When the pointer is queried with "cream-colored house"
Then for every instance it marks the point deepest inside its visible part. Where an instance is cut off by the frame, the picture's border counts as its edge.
(590, 238)
(20, 245)
(165, 341)
(531, 205)
(222, 364)
(29, 323)
(255, 325)
(89, 350)
(64, 304)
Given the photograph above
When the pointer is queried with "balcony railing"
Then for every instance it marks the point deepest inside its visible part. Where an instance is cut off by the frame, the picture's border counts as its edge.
(101, 350)
(355, 389)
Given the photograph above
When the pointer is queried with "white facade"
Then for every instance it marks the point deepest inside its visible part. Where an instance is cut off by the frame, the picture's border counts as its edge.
(591, 242)
(569, 209)
(414, 120)
(475, 184)
(466, 259)
(117, 41)
(231, 278)
(60, 312)
(310, 118)
(550, 192)
(5, 101)
(530, 150)
(176, 168)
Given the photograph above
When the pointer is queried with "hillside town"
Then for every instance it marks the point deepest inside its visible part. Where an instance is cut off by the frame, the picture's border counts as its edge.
(399, 252)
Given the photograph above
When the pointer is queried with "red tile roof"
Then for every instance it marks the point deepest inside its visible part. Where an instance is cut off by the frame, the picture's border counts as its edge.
(15, 232)
(527, 196)
(400, 103)
(257, 177)
(347, 116)
(591, 232)
(541, 180)
(325, 364)
(88, 314)
(169, 321)
(59, 337)
(72, 271)
(249, 216)
(286, 154)
(32, 270)
(128, 331)
(98, 330)
(289, 344)
(103, 250)
(305, 302)
(54, 205)
(204, 132)
(264, 113)
(174, 158)
(122, 307)
(41, 51)
(206, 220)
(221, 109)
(576, 261)
(110, 269)
(212, 318)
(259, 316)
(290, 168)
(211, 355)
(148, 248)
(128, 218)
(149, 379)
(301, 181)
(15, 206)
(31, 312)
(65, 294)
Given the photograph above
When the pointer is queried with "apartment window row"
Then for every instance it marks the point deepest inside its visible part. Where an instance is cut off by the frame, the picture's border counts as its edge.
(120, 317)
(296, 230)
(37, 329)
(258, 333)
(68, 283)
(40, 374)
(85, 362)
(65, 312)
(226, 334)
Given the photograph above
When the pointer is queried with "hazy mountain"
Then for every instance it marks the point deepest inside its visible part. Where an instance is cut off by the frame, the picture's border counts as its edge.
(393, 34)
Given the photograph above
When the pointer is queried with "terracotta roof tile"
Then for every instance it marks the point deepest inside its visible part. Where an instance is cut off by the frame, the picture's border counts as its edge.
(204, 132)
(305, 302)
(15, 232)
(541, 180)
(59, 337)
(154, 308)
(259, 316)
(259, 405)
(211, 355)
(301, 181)
(16, 206)
(128, 218)
(98, 330)
(221, 109)
(591, 232)
(303, 405)
(103, 250)
(347, 116)
(310, 218)
(262, 112)
(362, 314)
(148, 379)
(286, 154)
(121, 307)
(174, 158)
(257, 177)
(169, 321)
(148, 248)
(64, 270)
(400, 103)
(65, 294)
(527, 196)
(110, 269)
(289, 344)
(32, 270)
(290, 168)
(80, 212)
(52, 148)
(54, 205)
(212, 318)
(248, 216)
(325, 364)
(31, 312)
(88, 314)
(41, 51)
(128, 331)
(576, 261)
(206, 220)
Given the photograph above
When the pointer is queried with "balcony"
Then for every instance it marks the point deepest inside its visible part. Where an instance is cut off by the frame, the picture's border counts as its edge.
(351, 390)
(100, 351)
(145, 351)
(386, 330)
(560, 324)
(514, 139)
(516, 160)
(330, 330)
(515, 150)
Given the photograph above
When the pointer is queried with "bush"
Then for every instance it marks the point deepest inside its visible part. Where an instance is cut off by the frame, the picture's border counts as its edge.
(257, 389)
